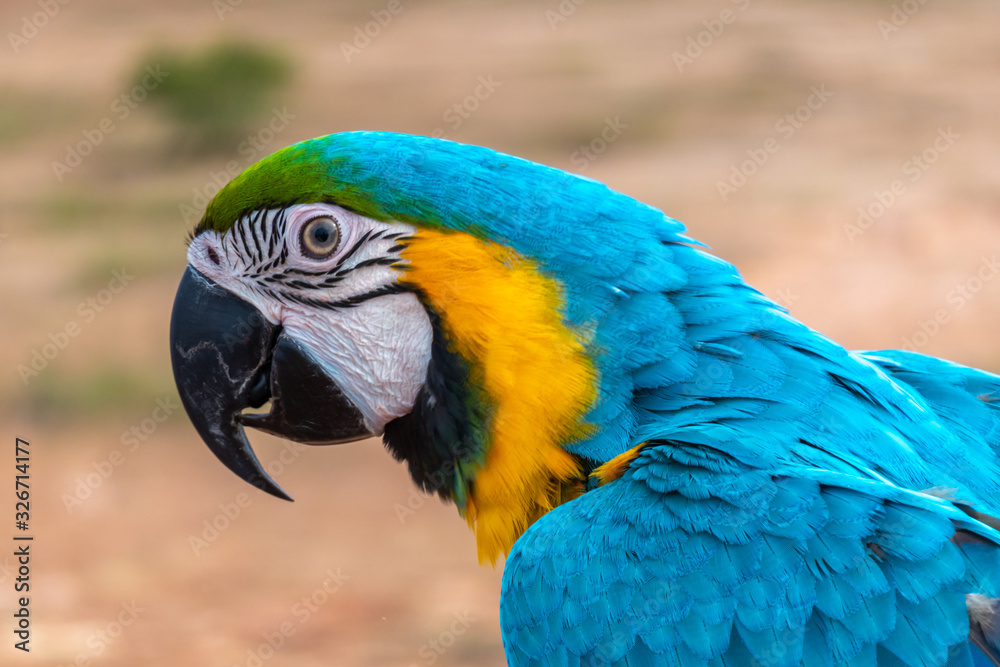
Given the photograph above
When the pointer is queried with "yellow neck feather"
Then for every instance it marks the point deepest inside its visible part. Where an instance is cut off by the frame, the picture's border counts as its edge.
(616, 467)
(503, 315)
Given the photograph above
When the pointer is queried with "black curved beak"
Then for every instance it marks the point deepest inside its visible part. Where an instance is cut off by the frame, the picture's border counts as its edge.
(227, 357)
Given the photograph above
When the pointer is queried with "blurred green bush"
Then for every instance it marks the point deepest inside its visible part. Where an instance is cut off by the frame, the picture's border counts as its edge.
(215, 97)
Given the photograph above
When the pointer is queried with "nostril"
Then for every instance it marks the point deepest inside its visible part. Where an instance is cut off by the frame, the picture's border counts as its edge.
(212, 255)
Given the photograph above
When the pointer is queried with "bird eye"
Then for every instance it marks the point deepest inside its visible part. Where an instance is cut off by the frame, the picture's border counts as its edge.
(320, 237)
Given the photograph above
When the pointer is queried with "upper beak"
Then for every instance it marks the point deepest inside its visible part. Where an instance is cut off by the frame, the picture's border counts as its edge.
(226, 357)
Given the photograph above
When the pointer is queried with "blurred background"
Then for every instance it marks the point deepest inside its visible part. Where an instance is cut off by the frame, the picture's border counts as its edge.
(842, 154)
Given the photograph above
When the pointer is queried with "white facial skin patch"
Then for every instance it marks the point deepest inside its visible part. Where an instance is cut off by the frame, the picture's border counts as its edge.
(345, 308)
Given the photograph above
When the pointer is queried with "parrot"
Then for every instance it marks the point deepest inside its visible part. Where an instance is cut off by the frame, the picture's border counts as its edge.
(675, 470)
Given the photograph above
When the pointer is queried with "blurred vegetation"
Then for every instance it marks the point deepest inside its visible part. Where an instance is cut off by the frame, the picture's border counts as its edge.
(146, 261)
(85, 209)
(64, 396)
(216, 97)
(25, 115)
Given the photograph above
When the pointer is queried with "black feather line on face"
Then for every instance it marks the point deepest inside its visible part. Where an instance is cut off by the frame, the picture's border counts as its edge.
(277, 232)
(349, 302)
(255, 229)
(444, 437)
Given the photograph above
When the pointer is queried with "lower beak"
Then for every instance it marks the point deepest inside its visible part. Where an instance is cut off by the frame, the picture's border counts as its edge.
(227, 357)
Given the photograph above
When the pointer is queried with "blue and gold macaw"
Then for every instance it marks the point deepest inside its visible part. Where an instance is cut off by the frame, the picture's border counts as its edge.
(679, 472)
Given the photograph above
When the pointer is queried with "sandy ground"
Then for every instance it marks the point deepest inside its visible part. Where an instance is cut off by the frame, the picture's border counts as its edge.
(166, 558)
(345, 575)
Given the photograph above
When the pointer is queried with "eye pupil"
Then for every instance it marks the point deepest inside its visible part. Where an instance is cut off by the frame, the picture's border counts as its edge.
(320, 237)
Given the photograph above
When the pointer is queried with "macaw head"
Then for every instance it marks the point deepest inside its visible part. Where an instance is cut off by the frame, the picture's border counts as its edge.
(481, 313)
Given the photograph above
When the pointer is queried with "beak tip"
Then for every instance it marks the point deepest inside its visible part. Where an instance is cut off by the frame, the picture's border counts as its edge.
(261, 481)
(278, 492)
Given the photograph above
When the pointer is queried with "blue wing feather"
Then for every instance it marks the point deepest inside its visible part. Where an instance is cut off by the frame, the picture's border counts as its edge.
(777, 566)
